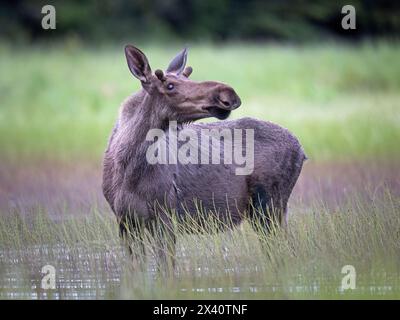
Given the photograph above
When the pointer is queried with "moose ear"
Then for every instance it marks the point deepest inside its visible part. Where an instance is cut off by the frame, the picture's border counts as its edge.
(177, 65)
(137, 63)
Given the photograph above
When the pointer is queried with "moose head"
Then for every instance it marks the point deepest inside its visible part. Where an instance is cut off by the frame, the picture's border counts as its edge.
(180, 98)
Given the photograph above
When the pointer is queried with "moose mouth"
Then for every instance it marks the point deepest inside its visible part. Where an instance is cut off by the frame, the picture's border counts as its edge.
(219, 113)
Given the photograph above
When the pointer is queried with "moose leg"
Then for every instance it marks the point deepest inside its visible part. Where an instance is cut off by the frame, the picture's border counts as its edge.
(132, 235)
(261, 211)
(266, 213)
(164, 244)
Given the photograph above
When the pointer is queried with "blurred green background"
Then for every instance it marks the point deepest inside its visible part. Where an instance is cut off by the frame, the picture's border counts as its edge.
(199, 20)
(290, 61)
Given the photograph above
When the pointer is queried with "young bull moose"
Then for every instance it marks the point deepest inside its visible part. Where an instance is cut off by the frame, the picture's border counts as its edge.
(136, 189)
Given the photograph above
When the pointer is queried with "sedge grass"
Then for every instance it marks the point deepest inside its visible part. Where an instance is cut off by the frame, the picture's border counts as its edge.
(305, 261)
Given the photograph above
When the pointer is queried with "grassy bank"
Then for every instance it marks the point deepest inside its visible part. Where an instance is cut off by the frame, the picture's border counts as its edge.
(340, 101)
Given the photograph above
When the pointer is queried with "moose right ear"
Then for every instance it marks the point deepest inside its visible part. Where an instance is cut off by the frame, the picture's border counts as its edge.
(137, 63)
(178, 63)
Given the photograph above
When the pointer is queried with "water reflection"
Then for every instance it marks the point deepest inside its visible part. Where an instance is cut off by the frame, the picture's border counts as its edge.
(97, 272)
(80, 272)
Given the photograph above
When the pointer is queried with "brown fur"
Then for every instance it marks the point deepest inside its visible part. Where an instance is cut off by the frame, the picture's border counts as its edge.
(133, 187)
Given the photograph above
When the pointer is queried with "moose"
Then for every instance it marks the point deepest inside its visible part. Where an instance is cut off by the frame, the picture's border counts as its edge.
(137, 191)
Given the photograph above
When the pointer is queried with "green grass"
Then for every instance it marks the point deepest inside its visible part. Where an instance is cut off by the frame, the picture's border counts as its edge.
(341, 101)
(304, 262)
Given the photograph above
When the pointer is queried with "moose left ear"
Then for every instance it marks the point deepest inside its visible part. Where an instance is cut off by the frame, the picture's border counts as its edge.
(177, 65)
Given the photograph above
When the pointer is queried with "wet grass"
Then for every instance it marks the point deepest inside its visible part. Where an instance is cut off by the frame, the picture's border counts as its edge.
(304, 262)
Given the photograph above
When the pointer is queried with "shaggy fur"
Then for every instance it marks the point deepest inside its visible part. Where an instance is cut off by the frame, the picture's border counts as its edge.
(135, 189)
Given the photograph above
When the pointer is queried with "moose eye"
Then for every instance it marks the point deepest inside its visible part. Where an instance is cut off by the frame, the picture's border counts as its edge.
(170, 86)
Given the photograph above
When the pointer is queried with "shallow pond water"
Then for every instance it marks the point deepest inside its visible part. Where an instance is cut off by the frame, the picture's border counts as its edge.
(90, 273)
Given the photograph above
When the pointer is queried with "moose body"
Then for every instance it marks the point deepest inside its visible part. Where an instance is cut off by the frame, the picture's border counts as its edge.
(137, 190)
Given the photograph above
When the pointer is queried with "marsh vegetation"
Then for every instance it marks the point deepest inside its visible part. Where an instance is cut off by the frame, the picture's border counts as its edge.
(57, 107)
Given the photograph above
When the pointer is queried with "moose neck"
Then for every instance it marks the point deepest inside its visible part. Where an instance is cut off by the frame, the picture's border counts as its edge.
(148, 115)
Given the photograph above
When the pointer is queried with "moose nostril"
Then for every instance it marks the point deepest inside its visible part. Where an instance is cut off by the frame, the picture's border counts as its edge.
(225, 103)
